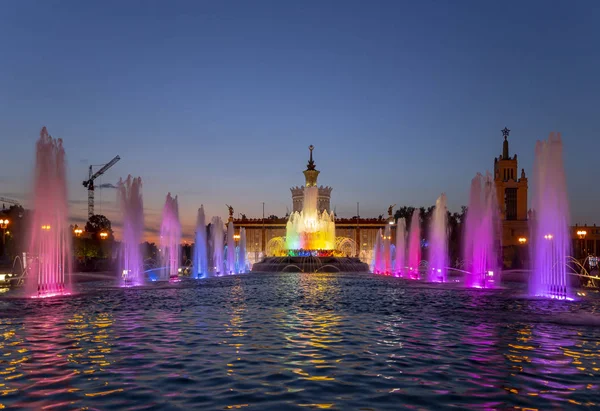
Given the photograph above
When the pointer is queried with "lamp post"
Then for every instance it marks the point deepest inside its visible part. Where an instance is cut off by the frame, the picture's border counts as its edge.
(103, 235)
(78, 232)
(3, 225)
(581, 234)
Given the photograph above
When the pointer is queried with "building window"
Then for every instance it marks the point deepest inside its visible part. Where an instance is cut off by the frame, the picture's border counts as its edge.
(510, 201)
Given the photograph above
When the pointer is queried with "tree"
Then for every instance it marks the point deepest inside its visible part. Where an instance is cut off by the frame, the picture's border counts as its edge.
(97, 224)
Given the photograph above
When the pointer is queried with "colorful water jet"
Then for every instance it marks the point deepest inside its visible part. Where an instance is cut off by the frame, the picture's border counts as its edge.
(200, 246)
(386, 251)
(377, 261)
(231, 257)
(400, 261)
(438, 242)
(131, 206)
(242, 251)
(170, 239)
(414, 245)
(482, 234)
(550, 240)
(50, 239)
(217, 238)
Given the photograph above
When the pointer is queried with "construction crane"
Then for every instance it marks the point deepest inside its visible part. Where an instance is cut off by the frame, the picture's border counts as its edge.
(89, 183)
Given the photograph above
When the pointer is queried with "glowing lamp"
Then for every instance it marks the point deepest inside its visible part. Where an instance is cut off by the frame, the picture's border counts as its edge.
(4, 223)
(103, 235)
(236, 237)
(581, 233)
(522, 240)
(46, 227)
(78, 231)
(548, 236)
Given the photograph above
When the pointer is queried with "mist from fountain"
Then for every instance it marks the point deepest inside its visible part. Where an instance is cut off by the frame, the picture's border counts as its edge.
(438, 242)
(230, 259)
(200, 246)
(170, 239)
(217, 237)
(49, 236)
(131, 206)
(400, 261)
(242, 252)
(482, 234)
(414, 245)
(550, 239)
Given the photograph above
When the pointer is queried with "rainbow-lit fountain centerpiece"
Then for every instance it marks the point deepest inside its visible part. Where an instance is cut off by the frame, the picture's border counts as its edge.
(309, 229)
(310, 241)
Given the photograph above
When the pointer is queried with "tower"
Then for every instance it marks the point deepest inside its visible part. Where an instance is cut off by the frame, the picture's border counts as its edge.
(511, 191)
(311, 174)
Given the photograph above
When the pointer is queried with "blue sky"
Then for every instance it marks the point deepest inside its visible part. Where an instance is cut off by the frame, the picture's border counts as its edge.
(218, 101)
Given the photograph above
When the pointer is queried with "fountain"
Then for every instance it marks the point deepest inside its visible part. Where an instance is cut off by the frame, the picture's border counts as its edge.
(200, 246)
(217, 237)
(438, 242)
(414, 245)
(230, 261)
(310, 242)
(170, 238)
(242, 252)
(50, 239)
(481, 234)
(399, 262)
(386, 251)
(129, 197)
(550, 229)
(377, 263)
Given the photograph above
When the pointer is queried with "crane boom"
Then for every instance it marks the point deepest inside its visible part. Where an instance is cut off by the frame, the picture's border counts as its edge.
(89, 183)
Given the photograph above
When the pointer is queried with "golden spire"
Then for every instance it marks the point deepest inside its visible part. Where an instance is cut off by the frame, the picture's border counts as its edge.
(311, 173)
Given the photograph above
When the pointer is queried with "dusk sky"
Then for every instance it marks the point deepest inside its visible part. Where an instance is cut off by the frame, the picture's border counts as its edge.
(217, 101)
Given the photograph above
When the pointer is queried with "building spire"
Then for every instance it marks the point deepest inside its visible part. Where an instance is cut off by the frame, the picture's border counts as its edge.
(505, 133)
(311, 173)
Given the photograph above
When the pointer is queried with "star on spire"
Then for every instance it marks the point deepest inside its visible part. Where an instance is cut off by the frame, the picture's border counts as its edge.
(505, 132)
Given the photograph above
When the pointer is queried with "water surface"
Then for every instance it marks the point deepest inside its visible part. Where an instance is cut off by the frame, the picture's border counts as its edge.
(298, 341)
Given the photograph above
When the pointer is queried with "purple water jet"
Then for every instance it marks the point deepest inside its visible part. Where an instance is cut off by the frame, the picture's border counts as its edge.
(242, 251)
(400, 261)
(438, 242)
(49, 236)
(550, 240)
(230, 260)
(200, 246)
(414, 245)
(129, 196)
(482, 234)
(217, 237)
(377, 263)
(170, 239)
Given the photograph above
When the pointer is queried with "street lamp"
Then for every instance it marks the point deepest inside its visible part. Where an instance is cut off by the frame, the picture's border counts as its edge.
(78, 231)
(522, 240)
(3, 225)
(103, 235)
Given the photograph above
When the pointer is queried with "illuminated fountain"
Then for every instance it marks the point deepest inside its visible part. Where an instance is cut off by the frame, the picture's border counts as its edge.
(170, 239)
(217, 237)
(50, 239)
(310, 242)
(481, 234)
(230, 259)
(550, 229)
(129, 196)
(414, 246)
(377, 263)
(386, 251)
(400, 261)
(241, 267)
(438, 242)
(200, 246)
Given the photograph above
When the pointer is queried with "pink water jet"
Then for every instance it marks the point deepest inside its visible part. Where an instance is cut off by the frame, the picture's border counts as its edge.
(129, 196)
(170, 239)
(400, 260)
(482, 234)
(438, 242)
(414, 246)
(550, 239)
(49, 235)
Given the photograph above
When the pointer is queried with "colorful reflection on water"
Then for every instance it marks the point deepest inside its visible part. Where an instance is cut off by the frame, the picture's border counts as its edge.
(298, 340)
